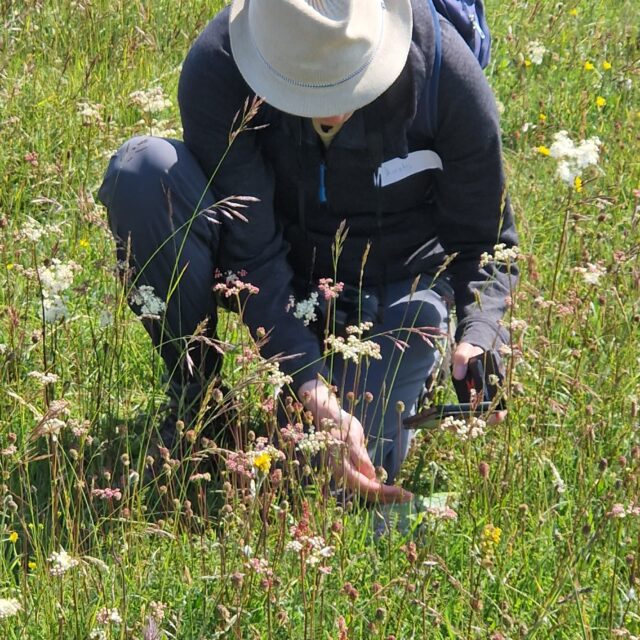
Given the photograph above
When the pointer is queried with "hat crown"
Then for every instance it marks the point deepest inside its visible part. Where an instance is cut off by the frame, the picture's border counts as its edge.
(316, 43)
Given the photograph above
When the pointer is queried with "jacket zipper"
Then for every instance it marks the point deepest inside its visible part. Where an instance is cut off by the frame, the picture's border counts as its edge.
(476, 27)
(322, 188)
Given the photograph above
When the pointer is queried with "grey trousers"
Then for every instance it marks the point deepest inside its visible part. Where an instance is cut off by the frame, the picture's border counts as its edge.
(152, 189)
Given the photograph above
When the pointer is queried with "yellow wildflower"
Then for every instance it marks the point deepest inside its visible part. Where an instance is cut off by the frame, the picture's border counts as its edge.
(588, 66)
(577, 184)
(600, 102)
(262, 462)
(542, 117)
(491, 535)
(83, 243)
(13, 537)
(606, 65)
(573, 12)
(527, 63)
(545, 151)
(32, 565)
(10, 266)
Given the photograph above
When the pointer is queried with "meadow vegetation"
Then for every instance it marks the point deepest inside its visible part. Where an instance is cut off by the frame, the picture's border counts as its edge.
(542, 537)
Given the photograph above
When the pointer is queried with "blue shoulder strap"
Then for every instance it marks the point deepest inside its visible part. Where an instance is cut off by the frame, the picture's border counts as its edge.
(430, 93)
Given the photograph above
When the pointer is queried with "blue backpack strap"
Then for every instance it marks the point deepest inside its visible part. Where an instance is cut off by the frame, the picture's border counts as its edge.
(429, 109)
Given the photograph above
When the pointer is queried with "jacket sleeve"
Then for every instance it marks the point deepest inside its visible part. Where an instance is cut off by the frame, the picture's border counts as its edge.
(473, 209)
(211, 93)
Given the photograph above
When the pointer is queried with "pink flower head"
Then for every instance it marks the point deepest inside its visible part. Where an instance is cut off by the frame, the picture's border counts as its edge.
(328, 289)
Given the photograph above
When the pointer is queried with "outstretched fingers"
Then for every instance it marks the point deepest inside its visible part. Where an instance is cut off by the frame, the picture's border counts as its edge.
(371, 489)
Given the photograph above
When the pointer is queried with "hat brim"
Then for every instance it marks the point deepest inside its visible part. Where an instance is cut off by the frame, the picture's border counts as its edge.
(315, 102)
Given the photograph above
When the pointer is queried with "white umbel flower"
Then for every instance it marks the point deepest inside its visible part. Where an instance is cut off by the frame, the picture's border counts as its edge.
(9, 607)
(61, 562)
(151, 100)
(151, 306)
(573, 158)
(536, 51)
(304, 310)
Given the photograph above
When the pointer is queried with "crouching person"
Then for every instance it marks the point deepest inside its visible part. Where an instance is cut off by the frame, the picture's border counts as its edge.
(336, 146)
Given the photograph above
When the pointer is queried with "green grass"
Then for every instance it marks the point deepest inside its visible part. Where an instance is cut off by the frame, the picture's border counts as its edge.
(561, 567)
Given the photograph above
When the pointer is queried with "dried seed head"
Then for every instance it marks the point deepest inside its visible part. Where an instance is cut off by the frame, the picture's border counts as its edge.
(237, 579)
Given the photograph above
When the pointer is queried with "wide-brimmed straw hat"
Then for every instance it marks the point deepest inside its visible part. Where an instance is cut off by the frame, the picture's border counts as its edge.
(317, 58)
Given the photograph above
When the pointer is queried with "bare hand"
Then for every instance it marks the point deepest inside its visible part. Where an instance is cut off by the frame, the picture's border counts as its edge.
(459, 360)
(352, 462)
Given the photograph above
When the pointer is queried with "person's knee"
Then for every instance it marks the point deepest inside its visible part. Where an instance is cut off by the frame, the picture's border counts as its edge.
(136, 171)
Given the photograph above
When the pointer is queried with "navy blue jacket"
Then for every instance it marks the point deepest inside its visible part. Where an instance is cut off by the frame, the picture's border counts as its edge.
(305, 192)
